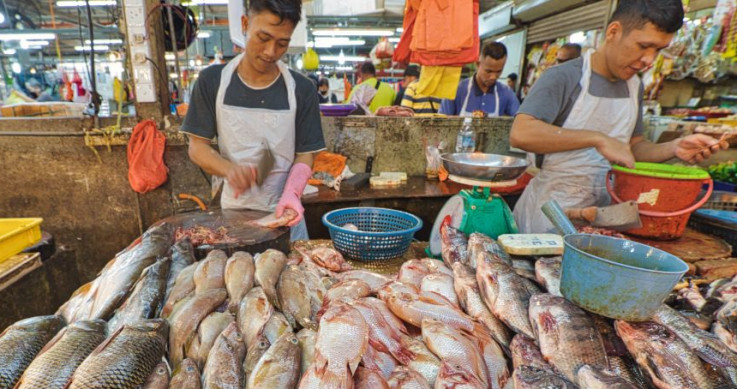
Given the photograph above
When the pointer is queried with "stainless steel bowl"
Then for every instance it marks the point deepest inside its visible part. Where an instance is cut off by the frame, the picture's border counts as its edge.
(485, 167)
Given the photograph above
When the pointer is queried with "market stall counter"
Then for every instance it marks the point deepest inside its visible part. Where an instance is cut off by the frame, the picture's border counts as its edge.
(419, 196)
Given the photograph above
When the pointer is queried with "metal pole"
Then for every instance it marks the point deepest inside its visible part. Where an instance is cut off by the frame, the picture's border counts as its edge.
(93, 75)
(174, 49)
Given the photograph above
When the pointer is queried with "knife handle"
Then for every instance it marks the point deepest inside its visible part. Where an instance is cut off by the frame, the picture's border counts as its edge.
(369, 164)
(588, 214)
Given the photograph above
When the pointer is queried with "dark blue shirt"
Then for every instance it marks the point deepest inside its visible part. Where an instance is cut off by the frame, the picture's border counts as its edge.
(508, 103)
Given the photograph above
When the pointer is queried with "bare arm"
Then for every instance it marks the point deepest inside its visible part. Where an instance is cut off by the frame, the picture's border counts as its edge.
(693, 148)
(305, 158)
(203, 155)
(536, 136)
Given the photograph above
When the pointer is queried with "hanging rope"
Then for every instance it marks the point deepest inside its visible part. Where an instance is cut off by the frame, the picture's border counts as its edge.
(53, 25)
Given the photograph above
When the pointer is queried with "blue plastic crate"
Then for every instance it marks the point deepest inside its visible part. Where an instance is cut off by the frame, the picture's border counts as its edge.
(382, 233)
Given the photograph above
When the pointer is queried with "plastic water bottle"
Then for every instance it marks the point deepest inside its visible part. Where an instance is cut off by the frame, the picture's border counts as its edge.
(465, 142)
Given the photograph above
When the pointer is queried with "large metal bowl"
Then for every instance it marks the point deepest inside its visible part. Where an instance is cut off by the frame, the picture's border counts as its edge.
(485, 167)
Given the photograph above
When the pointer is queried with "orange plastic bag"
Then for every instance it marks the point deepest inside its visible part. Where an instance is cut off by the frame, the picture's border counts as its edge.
(146, 168)
(327, 162)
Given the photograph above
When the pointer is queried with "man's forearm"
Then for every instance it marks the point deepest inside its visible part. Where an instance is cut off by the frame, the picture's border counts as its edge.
(305, 158)
(536, 136)
(204, 156)
(646, 151)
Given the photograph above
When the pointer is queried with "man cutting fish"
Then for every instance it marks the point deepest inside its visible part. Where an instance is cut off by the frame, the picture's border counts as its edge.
(585, 114)
(262, 114)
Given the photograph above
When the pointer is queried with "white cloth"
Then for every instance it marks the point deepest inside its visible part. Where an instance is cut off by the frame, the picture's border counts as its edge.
(576, 178)
(465, 113)
(243, 134)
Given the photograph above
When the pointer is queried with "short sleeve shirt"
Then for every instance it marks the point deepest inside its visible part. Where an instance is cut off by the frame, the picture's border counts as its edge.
(201, 118)
(553, 95)
(480, 101)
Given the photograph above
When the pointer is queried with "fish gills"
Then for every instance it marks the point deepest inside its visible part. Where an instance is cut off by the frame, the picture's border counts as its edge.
(279, 367)
(223, 368)
(186, 376)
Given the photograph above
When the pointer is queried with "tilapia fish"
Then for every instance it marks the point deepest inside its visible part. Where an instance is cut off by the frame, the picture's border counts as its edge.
(69, 310)
(55, 364)
(223, 368)
(727, 337)
(269, 266)
(567, 336)
(669, 363)
(493, 356)
(182, 255)
(379, 360)
(183, 287)
(547, 273)
(528, 377)
(186, 376)
(441, 284)
(413, 309)
(294, 298)
(207, 332)
(382, 333)
(424, 361)
(254, 354)
(374, 280)
(405, 378)
(210, 272)
(620, 362)
(185, 320)
(147, 296)
(469, 296)
(456, 376)
(369, 379)
(253, 314)
(436, 266)
(454, 348)
(506, 294)
(317, 288)
(159, 378)
(279, 367)
(117, 280)
(454, 245)
(341, 341)
(125, 359)
(239, 273)
(412, 272)
(307, 339)
(478, 243)
(526, 353)
(704, 344)
(593, 378)
(329, 258)
(21, 342)
(350, 289)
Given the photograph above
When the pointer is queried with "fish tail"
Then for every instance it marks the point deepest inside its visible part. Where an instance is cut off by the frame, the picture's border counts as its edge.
(336, 379)
(403, 355)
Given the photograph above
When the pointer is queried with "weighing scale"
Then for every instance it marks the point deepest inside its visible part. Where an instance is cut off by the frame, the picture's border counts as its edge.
(478, 209)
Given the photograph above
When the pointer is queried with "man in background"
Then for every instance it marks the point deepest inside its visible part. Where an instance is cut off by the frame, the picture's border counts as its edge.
(568, 52)
(483, 91)
(324, 94)
(372, 92)
(411, 74)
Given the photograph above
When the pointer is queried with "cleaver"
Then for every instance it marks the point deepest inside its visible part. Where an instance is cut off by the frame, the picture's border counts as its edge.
(265, 164)
(619, 217)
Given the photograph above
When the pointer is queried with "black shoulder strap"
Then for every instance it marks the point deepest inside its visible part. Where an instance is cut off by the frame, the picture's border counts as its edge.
(377, 84)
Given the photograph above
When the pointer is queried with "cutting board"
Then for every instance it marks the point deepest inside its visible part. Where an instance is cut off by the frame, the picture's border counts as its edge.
(693, 246)
(249, 238)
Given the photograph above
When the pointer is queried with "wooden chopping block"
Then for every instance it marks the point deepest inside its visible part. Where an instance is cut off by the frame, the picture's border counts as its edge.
(717, 268)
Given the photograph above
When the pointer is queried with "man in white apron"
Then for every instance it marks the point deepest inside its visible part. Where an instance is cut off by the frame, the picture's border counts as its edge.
(483, 91)
(255, 106)
(585, 114)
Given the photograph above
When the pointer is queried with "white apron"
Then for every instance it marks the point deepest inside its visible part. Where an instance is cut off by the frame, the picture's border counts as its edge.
(576, 178)
(242, 133)
(465, 113)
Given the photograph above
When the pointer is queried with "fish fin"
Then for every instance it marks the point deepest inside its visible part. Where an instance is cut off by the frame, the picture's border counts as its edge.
(548, 324)
(403, 355)
(353, 365)
(331, 379)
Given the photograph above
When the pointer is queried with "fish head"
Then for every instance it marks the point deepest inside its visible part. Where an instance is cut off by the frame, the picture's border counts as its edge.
(155, 327)
(96, 326)
(462, 271)
(50, 324)
(188, 367)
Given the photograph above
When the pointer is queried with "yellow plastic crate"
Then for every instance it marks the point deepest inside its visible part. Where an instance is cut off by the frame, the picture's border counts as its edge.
(17, 234)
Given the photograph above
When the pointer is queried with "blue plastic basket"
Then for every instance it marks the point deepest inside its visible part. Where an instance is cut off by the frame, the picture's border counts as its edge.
(383, 233)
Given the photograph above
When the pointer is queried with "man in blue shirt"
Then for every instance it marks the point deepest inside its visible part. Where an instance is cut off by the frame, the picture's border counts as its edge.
(483, 92)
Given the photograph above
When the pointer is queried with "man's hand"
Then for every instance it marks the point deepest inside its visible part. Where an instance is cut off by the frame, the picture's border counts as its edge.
(698, 147)
(241, 178)
(616, 152)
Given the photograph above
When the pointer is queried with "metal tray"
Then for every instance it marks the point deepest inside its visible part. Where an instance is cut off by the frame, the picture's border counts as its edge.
(485, 167)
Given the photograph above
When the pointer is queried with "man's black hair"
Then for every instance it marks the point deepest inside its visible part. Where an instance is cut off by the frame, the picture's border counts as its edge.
(412, 70)
(494, 50)
(574, 47)
(513, 76)
(666, 15)
(323, 81)
(368, 68)
(290, 10)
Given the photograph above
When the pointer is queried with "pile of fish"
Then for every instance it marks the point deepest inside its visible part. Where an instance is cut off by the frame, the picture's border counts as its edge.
(156, 317)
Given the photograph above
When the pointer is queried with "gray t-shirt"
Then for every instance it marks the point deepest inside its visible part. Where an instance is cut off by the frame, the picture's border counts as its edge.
(553, 95)
(201, 119)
